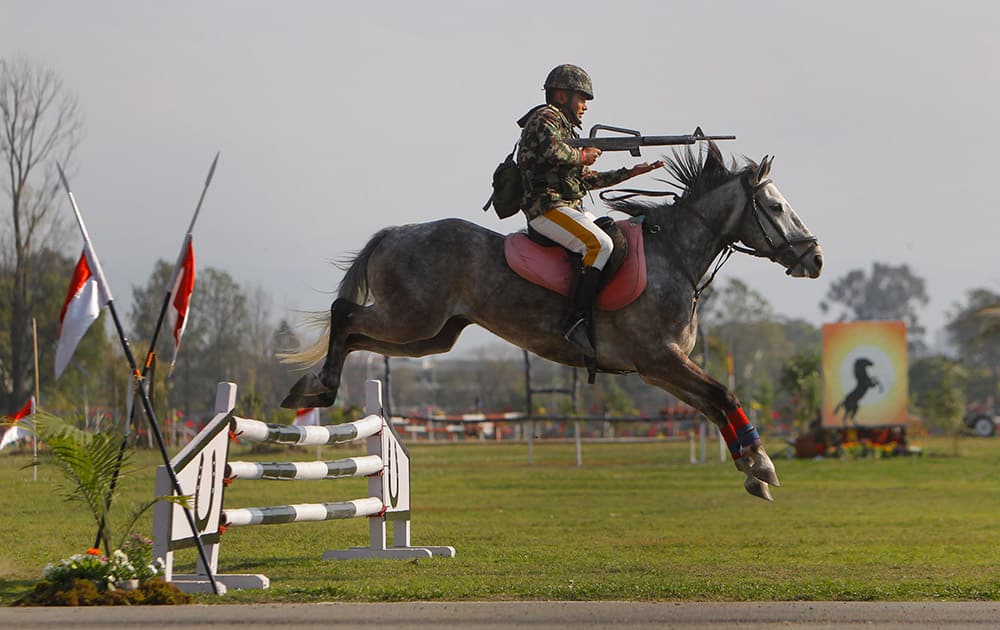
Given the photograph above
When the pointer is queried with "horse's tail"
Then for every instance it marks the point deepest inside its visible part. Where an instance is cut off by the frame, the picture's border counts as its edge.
(353, 288)
(307, 357)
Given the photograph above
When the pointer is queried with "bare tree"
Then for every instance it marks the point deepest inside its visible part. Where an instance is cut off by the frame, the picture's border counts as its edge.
(41, 123)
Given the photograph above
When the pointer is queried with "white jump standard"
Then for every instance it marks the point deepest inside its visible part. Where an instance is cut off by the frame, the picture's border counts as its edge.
(203, 466)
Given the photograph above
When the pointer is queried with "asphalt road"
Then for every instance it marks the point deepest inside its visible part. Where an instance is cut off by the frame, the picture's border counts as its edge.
(530, 615)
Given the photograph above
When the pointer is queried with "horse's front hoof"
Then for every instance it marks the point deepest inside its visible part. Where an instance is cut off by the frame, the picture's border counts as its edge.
(762, 467)
(757, 488)
(307, 392)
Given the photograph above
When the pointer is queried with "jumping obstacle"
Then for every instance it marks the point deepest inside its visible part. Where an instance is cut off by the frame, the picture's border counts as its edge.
(203, 467)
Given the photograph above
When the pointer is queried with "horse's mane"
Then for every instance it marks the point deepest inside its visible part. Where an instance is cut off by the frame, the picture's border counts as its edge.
(693, 172)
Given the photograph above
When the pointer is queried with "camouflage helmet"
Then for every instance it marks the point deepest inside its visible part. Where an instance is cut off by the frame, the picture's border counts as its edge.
(570, 77)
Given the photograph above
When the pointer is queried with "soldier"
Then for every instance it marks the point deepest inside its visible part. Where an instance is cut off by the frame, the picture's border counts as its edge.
(556, 177)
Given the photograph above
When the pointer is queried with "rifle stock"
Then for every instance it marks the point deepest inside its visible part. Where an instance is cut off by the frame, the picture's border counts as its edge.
(632, 139)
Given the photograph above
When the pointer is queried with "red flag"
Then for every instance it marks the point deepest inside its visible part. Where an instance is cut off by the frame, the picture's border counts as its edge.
(180, 295)
(84, 301)
(307, 417)
(16, 432)
(23, 412)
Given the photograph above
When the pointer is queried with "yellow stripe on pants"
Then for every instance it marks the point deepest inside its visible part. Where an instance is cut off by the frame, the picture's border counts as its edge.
(579, 232)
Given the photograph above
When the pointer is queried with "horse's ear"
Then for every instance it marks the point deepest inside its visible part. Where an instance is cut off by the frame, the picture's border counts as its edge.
(765, 168)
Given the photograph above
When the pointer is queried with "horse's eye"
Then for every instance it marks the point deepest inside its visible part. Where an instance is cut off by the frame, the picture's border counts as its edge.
(777, 207)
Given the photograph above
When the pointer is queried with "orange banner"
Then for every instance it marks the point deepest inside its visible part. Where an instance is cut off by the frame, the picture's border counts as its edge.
(865, 373)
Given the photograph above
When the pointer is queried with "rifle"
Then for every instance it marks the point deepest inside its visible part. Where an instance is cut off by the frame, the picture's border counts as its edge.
(633, 139)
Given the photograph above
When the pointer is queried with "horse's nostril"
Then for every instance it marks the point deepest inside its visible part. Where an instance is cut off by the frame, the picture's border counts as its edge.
(818, 261)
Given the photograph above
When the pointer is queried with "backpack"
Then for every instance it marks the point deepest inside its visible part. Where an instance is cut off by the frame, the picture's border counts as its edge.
(508, 188)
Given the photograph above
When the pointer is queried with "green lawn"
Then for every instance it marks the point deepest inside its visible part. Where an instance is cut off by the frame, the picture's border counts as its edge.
(637, 522)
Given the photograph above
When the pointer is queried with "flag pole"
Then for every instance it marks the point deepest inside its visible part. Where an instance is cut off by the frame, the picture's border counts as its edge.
(146, 404)
(151, 352)
(177, 266)
(147, 364)
(34, 407)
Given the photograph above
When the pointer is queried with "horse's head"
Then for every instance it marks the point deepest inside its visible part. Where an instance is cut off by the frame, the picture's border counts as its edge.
(770, 228)
(730, 204)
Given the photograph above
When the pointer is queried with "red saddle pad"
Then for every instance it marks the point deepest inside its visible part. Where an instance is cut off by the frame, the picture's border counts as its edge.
(550, 267)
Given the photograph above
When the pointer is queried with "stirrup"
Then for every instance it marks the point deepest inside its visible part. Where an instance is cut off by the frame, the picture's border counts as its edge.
(577, 335)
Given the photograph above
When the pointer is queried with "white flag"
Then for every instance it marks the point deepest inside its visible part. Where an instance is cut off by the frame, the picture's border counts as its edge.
(84, 301)
(13, 434)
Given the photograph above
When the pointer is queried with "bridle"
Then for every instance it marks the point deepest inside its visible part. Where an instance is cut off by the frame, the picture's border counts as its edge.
(774, 252)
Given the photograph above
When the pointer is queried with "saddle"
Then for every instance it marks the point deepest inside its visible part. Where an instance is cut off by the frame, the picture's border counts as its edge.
(552, 267)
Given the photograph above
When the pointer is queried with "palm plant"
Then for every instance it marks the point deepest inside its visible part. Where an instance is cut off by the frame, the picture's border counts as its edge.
(90, 463)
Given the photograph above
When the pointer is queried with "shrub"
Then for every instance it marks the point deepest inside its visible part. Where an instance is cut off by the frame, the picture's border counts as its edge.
(71, 591)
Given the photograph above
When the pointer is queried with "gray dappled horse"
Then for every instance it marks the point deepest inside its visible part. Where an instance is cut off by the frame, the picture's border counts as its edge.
(414, 288)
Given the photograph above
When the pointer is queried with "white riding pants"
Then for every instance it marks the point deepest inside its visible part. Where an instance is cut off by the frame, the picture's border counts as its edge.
(575, 230)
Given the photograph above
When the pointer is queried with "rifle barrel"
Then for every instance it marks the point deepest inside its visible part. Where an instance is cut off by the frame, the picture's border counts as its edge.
(668, 140)
(688, 139)
(624, 143)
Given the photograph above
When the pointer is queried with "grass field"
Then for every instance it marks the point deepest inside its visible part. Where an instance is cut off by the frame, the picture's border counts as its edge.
(637, 522)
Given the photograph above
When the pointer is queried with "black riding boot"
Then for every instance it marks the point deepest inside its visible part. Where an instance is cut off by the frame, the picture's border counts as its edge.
(576, 325)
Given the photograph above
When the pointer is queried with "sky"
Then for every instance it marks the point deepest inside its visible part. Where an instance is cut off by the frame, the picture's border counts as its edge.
(335, 119)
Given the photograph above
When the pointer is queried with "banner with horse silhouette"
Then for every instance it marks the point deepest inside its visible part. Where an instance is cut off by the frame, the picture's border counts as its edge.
(865, 377)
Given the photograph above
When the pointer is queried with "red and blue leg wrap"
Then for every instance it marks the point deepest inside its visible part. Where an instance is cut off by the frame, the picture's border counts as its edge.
(733, 442)
(745, 431)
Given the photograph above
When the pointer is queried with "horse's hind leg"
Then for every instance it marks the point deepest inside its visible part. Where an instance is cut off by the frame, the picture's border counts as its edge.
(443, 341)
(321, 391)
(677, 374)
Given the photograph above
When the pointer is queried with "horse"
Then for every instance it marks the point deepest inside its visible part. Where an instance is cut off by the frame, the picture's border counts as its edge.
(412, 289)
(863, 382)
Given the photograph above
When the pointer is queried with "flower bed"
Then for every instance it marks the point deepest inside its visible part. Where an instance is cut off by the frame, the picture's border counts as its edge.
(128, 577)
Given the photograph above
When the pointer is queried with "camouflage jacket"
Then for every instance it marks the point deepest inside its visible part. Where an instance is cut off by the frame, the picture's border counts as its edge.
(553, 173)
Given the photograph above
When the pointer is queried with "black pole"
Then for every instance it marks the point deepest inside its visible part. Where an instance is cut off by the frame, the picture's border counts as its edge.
(146, 405)
(387, 404)
(576, 391)
(155, 428)
(151, 353)
(527, 384)
(131, 413)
